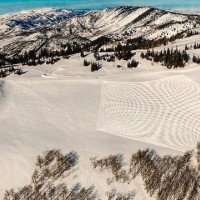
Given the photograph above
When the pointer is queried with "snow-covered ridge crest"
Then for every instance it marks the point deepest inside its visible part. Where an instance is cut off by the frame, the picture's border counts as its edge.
(37, 10)
(192, 11)
(30, 19)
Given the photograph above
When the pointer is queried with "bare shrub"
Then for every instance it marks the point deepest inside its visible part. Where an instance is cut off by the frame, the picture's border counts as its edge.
(198, 154)
(164, 177)
(114, 195)
(50, 167)
(112, 163)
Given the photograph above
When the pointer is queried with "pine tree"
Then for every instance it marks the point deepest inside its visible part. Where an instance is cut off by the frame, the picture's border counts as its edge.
(142, 55)
(195, 45)
(82, 54)
(86, 63)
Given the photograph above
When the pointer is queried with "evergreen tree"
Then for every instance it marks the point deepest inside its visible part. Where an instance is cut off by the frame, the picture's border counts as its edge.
(142, 55)
(82, 54)
(132, 64)
(95, 66)
(86, 63)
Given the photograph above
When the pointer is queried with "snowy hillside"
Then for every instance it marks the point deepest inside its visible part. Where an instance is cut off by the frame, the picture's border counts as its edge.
(57, 106)
(54, 29)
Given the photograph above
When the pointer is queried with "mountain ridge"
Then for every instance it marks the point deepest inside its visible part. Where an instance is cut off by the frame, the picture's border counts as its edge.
(55, 29)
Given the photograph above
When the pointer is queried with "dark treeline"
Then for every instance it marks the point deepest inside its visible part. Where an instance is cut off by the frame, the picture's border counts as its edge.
(122, 52)
(35, 57)
(98, 43)
(142, 43)
(6, 69)
(165, 177)
(173, 58)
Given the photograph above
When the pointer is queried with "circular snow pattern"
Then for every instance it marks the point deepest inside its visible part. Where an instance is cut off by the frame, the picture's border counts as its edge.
(164, 112)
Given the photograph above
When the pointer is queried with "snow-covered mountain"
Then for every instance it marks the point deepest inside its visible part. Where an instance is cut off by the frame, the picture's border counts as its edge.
(28, 20)
(55, 28)
(191, 11)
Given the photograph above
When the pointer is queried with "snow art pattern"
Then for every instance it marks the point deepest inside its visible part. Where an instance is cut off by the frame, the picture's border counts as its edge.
(164, 112)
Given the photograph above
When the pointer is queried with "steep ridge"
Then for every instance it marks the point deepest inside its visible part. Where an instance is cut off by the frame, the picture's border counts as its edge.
(33, 19)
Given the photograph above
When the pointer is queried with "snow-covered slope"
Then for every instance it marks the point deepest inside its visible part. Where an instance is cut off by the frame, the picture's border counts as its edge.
(60, 110)
(53, 29)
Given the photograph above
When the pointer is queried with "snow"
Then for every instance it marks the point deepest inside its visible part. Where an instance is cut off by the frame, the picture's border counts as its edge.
(60, 110)
(193, 11)
(57, 106)
(115, 23)
(163, 112)
(30, 19)
(48, 114)
(169, 17)
(106, 22)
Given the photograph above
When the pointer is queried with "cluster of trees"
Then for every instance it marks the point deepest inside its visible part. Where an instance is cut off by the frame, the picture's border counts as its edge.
(196, 46)
(36, 57)
(196, 59)
(7, 68)
(114, 195)
(40, 55)
(58, 192)
(98, 43)
(105, 57)
(132, 63)
(32, 58)
(114, 164)
(164, 177)
(2, 63)
(3, 73)
(168, 177)
(119, 53)
(50, 167)
(170, 58)
(95, 66)
(111, 58)
(46, 182)
(123, 53)
(18, 71)
(82, 54)
(7, 71)
(143, 43)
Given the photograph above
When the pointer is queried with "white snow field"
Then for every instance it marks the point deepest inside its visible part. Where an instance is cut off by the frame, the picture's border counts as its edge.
(60, 110)
(164, 112)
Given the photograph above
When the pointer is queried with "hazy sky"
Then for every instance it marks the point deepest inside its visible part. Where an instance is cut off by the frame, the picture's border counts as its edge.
(7, 6)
